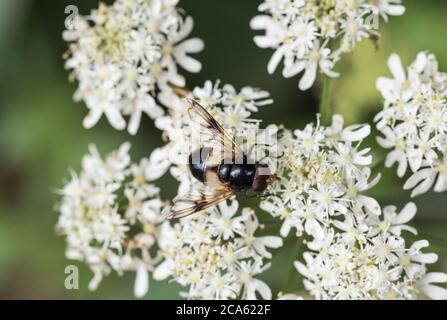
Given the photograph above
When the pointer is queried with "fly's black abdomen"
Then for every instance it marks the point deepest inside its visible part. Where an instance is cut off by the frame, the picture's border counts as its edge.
(197, 170)
(238, 176)
(197, 163)
(224, 172)
(242, 175)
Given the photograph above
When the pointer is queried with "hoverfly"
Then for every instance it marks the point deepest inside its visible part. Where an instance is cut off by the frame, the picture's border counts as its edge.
(224, 170)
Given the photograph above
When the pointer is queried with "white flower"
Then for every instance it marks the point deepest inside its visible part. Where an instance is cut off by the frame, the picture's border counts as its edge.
(327, 174)
(97, 210)
(141, 282)
(394, 222)
(180, 50)
(327, 199)
(257, 245)
(414, 122)
(356, 264)
(412, 261)
(216, 254)
(289, 296)
(125, 58)
(433, 291)
(252, 285)
(389, 7)
(248, 98)
(301, 32)
(319, 57)
(355, 249)
(110, 229)
(425, 178)
(224, 222)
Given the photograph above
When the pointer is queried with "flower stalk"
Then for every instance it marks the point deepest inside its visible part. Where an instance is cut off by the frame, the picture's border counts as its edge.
(296, 254)
(325, 101)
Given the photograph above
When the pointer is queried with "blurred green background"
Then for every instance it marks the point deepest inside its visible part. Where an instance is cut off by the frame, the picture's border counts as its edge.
(41, 135)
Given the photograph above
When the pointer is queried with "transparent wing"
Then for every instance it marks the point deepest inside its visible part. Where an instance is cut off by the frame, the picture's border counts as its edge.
(198, 200)
(223, 146)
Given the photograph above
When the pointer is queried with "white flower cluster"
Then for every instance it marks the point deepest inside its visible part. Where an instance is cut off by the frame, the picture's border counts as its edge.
(365, 257)
(321, 176)
(110, 215)
(126, 55)
(231, 108)
(414, 122)
(310, 36)
(354, 250)
(217, 255)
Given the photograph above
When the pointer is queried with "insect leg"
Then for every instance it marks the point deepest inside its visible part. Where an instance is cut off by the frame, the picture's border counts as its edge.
(249, 196)
(263, 196)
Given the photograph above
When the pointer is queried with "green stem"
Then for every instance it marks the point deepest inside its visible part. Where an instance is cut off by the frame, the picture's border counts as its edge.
(325, 102)
(290, 282)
